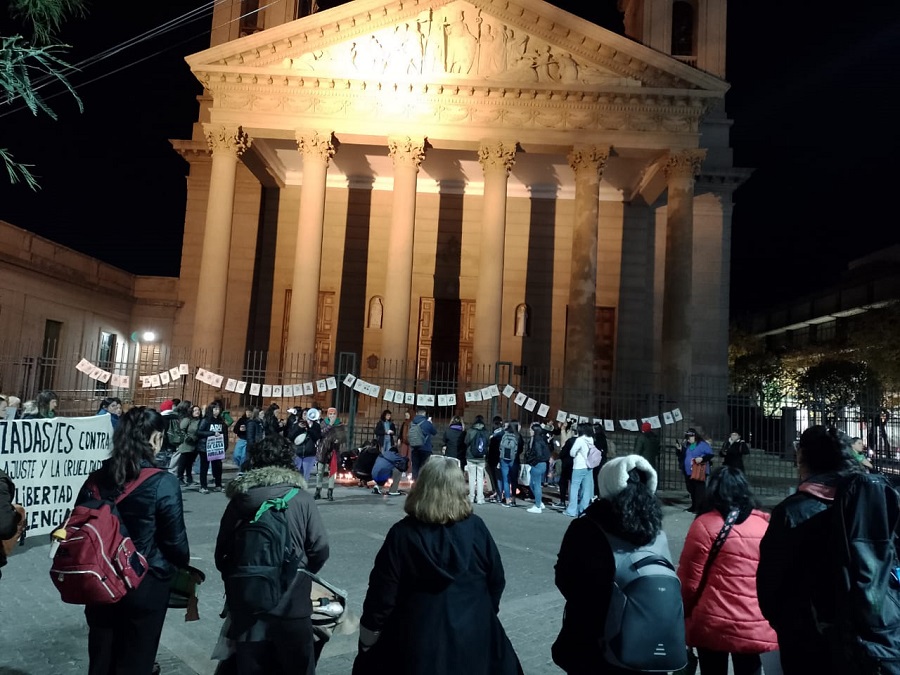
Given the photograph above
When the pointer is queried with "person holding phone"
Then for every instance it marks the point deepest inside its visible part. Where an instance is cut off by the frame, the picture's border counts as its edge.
(212, 443)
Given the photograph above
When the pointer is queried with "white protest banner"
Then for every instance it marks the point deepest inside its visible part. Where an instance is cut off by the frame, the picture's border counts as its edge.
(49, 459)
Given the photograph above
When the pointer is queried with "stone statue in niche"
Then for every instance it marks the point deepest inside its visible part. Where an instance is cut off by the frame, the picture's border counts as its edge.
(376, 312)
(522, 320)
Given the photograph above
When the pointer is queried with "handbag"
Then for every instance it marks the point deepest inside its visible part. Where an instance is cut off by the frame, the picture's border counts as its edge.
(698, 471)
(183, 591)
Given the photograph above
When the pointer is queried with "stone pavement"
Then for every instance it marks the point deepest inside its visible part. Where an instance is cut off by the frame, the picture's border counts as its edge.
(43, 636)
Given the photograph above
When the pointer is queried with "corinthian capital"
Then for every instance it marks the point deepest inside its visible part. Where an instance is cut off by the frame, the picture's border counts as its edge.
(497, 155)
(684, 163)
(226, 139)
(407, 151)
(316, 144)
(588, 158)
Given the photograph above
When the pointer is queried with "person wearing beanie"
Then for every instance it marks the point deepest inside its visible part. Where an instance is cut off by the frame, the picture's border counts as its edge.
(627, 508)
(166, 406)
(647, 445)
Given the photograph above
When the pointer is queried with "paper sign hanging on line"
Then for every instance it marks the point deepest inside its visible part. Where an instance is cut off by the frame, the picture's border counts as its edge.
(629, 425)
(267, 390)
(520, 398)
(358, 385)
(174, 374)
(596, 421)
(389, 395)
(409, 398)
(476, 395)
(295, 389)
(442, 400)
(276, 390)
(486, 394)
(154, 380)
(420, 399)
(84, 366)
(308, 389)
(125, 381)
(609, 425)
(469, 396)
(164, 377)
(429, 400)
(509, 390)
(184, 369)
(331, 383)
(320, 386)
(543, 409)
(104, 376)
(254, 388)
(201, 374)
(216, 380)
(451, 399)
(529, 404)
(374, 390)
(230, 384)
(495, 391)
(676, 414)
(349, 380)
(561, 415)
(115, 382)
(95, 372)
(240, 387)
(398, 397)
(655, 423)
(667, 418)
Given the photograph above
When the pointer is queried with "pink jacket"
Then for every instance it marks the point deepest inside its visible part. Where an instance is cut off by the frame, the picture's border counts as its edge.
(727, 617)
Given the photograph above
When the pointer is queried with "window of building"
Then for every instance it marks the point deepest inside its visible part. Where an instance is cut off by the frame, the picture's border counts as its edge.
(249, 17)
(825, 332)
(683, 28)
(49, 354)
(106, 357)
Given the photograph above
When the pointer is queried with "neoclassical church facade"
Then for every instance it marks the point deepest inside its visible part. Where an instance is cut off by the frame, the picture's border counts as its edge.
(473, 182)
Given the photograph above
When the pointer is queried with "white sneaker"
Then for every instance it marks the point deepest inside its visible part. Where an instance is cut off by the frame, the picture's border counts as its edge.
(542, 506)
(534, 509)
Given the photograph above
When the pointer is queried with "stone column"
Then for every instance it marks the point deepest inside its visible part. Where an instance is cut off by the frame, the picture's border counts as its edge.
(678, 309)
(497, 158)
(587, 162)
(317, 149)
(227, 145)
(407, 155)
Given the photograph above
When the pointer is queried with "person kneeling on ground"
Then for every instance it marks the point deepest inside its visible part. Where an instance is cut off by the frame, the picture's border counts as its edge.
(280, 641)
(390, 464)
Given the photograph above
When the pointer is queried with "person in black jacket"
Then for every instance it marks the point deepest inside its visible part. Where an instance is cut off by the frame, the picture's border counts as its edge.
(794, 581)
(123, 637)
(10, 517)
(281, 642)
(212, 429)
(733, 451)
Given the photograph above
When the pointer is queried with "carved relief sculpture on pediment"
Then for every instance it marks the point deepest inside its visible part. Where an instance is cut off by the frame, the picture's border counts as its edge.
(457, 40)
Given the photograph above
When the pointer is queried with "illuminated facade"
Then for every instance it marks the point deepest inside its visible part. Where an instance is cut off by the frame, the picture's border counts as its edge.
(468, 181)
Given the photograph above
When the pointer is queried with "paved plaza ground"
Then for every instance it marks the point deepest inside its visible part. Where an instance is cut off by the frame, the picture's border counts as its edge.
(43, 636)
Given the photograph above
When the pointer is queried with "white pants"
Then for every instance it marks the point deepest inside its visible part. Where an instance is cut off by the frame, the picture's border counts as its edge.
(475, 469)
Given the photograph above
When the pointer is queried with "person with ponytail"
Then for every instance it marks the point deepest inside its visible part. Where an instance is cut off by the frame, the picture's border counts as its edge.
(123, 637)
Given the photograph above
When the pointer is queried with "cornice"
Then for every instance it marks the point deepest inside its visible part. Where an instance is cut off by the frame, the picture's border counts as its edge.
(513, 107)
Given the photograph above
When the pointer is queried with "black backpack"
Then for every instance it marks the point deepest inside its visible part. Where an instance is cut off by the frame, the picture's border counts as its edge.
(479, 443)
(261, 563)
(865, 518)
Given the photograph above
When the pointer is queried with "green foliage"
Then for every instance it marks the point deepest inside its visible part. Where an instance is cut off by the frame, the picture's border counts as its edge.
(833, 384)
(763, 376)
(874, 339)
(27, 65)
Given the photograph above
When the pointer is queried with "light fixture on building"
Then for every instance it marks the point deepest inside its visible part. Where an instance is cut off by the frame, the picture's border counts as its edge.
(148, 336)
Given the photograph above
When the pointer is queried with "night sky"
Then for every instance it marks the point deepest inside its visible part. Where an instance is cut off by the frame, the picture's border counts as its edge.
(813, 99)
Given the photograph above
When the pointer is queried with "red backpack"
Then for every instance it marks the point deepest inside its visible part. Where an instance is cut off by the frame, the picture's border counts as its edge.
(96, 562)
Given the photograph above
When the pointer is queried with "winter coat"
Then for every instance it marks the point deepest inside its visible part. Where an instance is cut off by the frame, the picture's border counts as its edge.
(647, 446)
(387, 461)
(189, 425)
(380, 434)
(437, 580)
(254, 431)
(334, 437)
(733, 454)
(429, 431)
(700, 449)
(454, 441)
(153, 515)
(309, 539)
(471, 437)
(585, 568)
(726, 617)
(795, 586)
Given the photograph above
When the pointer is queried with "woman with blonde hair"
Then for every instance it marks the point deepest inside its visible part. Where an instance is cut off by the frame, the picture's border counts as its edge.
(437, 563)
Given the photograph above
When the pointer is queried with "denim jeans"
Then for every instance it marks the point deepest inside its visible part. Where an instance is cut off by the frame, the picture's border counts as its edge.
(506, 467)
(308, 464)
(538, 471)
(583, 482)
(240, 452)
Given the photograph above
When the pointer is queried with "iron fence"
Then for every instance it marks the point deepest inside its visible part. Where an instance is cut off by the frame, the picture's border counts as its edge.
(706, 405)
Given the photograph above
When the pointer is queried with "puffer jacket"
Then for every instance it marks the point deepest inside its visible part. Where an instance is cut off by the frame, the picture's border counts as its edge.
(308, 536)
(727, 617)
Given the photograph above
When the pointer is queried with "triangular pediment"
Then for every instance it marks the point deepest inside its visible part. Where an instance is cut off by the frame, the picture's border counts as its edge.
(483, 43)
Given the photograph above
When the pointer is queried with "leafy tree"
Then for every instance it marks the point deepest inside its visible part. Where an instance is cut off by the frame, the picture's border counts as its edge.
(832, 385)
(28, 63)
(874, 339)
(763, 376)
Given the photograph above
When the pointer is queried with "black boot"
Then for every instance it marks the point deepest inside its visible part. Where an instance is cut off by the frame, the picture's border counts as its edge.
(330, 495)
(318, 494)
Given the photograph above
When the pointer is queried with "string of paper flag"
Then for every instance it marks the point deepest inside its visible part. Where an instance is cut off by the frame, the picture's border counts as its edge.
(519, 398)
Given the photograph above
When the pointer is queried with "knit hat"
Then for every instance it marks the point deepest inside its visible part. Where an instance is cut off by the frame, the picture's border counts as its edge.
(165, 405)
(613, 477)
(646, 426)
